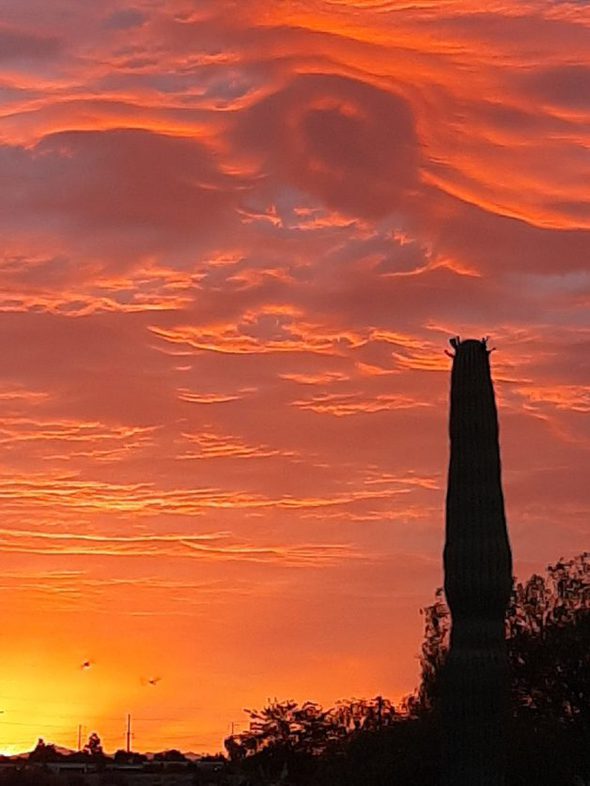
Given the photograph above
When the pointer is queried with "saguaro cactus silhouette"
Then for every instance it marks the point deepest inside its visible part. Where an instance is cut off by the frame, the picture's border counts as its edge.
(478, 581)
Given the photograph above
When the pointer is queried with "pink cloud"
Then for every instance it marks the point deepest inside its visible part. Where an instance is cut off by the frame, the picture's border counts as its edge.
(135, 188)
(320, 127)
(20, 46)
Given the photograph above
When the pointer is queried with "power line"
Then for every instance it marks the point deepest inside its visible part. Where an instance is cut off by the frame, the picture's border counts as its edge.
(180, 737)
(66, 718)
(33, 725)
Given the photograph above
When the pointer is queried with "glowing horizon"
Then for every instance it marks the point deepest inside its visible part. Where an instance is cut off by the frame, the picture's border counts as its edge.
(236, 238)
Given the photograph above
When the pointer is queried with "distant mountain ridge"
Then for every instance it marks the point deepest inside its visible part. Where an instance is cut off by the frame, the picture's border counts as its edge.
(190, 755)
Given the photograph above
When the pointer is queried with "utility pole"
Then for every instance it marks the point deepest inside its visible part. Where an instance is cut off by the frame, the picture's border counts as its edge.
(128, 747)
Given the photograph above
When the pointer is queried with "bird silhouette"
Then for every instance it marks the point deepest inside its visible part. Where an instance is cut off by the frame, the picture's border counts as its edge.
(86, 665)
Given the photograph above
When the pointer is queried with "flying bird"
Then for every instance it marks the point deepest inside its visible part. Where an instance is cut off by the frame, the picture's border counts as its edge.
(86, 665)
(153, 681)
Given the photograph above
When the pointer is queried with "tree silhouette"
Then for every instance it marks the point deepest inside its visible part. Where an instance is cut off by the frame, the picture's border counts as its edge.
(548, 636)
(308, 728)
(367, 714)
(171, 755)
(435, 646)
(548, 640)
(128, 757)
(44, 752)
(548, 626)
(94, 746)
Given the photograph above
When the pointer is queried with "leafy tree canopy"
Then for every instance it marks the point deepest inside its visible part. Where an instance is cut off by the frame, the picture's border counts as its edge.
(548, 638)
(94, 746)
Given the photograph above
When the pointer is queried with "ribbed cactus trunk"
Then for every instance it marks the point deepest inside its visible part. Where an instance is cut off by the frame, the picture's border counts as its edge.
(478, 580)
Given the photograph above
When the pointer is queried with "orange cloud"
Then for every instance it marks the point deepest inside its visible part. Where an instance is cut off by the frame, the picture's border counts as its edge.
(347, 404)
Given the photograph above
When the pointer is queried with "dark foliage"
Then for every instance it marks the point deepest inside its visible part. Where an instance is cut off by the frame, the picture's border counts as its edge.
(371, 743)
(309, 729)
(94, 746)
(29, 778)
(403, 752)
(172, 755)
(44, 752)
(548, 639)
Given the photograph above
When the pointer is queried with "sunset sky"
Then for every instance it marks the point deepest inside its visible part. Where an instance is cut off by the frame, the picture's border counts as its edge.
(236, 236)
